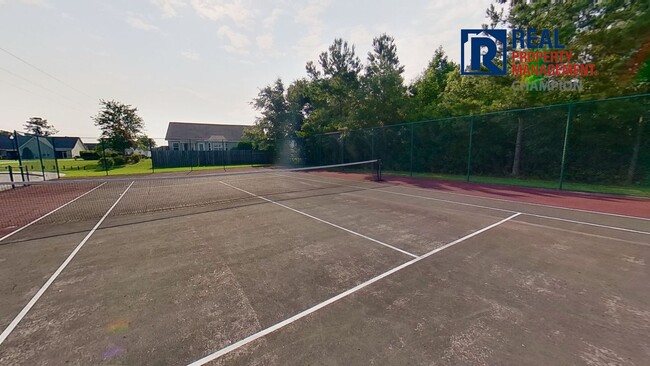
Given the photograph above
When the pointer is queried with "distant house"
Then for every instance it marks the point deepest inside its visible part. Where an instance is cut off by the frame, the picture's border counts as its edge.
(32, 147)
(68, 147)
(7, 148)
(182, 136)
(91, 145)
(138, 151)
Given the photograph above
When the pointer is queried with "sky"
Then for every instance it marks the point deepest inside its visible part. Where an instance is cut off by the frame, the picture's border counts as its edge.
(194, 60)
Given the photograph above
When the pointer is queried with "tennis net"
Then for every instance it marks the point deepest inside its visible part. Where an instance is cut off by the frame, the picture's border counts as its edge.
(64, 201)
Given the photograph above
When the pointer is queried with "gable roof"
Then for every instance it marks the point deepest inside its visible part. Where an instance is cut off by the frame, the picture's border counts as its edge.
(204, 131)
(6, 143)
(65, 142)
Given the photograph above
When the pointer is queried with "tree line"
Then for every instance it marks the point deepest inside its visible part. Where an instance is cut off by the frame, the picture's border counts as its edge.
(342, 93)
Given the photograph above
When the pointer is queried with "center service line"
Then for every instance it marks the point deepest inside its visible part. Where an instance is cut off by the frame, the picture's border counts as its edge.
(273, 328)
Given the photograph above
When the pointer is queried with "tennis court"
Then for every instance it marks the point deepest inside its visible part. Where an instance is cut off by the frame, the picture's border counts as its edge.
(325, 266)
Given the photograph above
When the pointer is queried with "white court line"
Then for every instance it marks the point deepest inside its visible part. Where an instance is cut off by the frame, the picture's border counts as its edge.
(523, 203)
(479, 206)
(273, 328)
(323, 221)
(48, 214)
(540, 204)
(56, 274)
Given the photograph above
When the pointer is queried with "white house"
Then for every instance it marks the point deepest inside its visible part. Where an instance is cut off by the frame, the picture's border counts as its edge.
(183, 136)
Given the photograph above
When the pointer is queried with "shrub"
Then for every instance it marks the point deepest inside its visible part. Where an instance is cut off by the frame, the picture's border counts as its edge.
(106, 163)
(134, 158)
(119, 159)
(244, 145)
(89, 155)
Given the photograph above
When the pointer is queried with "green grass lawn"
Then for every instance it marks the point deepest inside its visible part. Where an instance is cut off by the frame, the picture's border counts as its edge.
(629, 190)
(71, 168)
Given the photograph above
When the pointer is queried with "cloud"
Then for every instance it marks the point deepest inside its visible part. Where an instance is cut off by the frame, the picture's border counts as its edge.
(269, 21)
(311, 16)
(239, 42)
(311, 13)
(141, 24)
(191, 55)
(169, 7)
(39, 3)
(219, 9)
(264, 42)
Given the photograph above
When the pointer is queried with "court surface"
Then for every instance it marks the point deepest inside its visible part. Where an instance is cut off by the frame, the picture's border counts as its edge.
(310, 269)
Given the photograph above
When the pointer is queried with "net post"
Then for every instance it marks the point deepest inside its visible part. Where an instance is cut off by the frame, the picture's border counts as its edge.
(566, 144)
(27, 172)
(378, 177)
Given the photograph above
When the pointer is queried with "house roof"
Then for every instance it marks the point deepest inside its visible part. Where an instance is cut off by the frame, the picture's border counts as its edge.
(204, 131)
(6, 143)
(61, 142)
(65, 142)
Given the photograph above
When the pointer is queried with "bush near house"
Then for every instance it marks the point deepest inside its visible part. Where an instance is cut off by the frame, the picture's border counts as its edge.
(134, 158)
(106, 163)
(119, 159)
(89, 155)
(244, 145)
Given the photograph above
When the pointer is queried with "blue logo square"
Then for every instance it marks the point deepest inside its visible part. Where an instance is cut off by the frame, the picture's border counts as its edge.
(479, 49)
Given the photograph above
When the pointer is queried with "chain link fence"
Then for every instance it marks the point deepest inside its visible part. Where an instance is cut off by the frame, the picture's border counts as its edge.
(26, 157)
(602, 142)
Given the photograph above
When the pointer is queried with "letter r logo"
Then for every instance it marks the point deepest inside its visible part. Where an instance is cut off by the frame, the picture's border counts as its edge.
(482, 46)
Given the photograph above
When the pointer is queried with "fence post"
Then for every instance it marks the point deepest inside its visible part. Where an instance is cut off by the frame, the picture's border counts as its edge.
(469, 149)
(40, 155)
(223, 150)
(11, 177)
(20, 160)
(27, 173)
(104, 155)
(153, 169)
(372, 143)
(56, 160)
(342, 148)
(411, 168)
(320, 150)
(566, 144)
